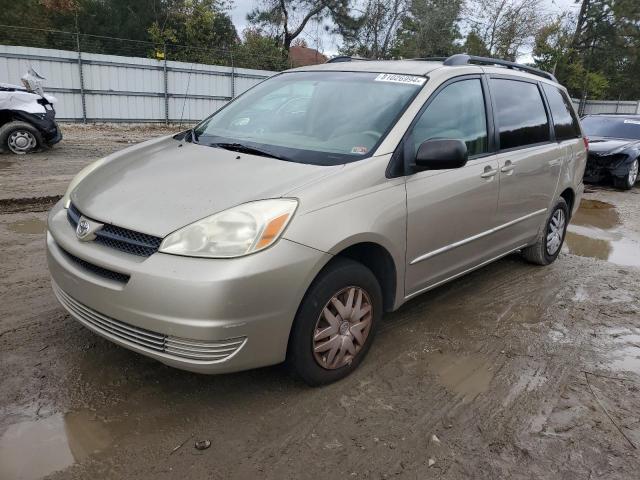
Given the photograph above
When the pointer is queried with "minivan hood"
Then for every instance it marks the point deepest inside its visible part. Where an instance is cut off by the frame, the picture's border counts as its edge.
(163, 185)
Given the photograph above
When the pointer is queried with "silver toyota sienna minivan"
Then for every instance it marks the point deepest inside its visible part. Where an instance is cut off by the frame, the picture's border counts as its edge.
(283, 226)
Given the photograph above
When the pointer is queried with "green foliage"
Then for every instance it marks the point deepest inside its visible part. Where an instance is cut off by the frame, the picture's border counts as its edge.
(598, 55)
(195, 31)
(259, 51)
(371, 32)
(429, 29)
(473, 45)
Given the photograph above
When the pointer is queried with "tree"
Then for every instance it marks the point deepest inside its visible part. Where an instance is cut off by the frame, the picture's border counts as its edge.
(504, 26)
(603, 58)
(371, 32)
(474, 45)
(552, 44)
(430, 28)
(286, 19)
(195, 31)
(259, 51)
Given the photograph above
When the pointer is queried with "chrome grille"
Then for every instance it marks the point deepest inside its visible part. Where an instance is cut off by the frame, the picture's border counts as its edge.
(122, 239)
(140, 338)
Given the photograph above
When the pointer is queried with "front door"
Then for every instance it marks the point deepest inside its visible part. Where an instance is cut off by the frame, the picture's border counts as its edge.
(450, 213)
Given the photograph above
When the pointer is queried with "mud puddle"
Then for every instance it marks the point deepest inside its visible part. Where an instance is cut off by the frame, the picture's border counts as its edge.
(33, 226)
(625, 351)
(467, 376)
(32, 449)
(596, 232)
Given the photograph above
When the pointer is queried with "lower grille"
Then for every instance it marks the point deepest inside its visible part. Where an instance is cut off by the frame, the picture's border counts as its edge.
(100, 271)
(606, 161)
(141, 338)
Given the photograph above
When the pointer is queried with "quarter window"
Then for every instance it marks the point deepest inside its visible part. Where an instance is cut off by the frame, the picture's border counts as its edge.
(458, 113)
(520, 113)
(565, 122)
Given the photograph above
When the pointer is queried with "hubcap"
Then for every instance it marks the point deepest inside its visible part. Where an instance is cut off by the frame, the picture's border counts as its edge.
(555, 232)
(633, 173)
(342, 328)
(21, 141)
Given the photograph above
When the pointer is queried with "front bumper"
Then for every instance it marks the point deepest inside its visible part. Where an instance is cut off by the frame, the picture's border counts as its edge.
(202, 315)
(45, 123)
(603, 167)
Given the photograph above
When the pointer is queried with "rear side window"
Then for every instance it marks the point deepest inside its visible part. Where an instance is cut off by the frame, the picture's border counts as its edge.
(458, 113)
(565, 122)
(520, 113)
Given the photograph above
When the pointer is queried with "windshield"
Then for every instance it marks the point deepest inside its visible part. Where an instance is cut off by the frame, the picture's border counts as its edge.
(612, 127)
(323, 118)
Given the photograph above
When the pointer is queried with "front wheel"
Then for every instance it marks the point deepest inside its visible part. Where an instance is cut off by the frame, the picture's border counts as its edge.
(551, 237)
(20, 137)
(629, 180)
(336, 323)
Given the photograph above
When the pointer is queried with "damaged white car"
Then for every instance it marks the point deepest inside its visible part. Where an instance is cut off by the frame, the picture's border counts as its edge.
(27, 116)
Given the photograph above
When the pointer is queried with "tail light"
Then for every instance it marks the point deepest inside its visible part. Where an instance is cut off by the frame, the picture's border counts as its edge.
(586, 142)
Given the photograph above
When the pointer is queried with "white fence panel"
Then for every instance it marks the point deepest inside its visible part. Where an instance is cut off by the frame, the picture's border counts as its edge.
(128, 89)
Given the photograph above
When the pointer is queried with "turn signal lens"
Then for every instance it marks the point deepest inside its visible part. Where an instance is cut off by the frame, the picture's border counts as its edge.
(272, 231)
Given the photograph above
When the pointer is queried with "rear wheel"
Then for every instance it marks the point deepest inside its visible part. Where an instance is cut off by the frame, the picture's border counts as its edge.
(336, 323)
(551, 237)
(628, 181)
(20, 137)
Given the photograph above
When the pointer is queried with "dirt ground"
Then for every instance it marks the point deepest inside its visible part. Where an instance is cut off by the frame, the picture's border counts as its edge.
(514, 371)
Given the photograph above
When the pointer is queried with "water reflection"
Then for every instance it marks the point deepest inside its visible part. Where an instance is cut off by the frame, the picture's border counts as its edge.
(32, 449)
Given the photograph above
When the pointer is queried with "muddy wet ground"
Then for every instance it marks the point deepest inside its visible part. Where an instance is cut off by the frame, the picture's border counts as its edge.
(513, 371)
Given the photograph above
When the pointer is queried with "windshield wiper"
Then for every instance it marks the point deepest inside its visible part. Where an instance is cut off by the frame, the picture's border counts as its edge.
(242, 148)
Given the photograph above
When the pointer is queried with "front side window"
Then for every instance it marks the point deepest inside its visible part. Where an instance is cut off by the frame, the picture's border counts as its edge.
(458, 113)
(322, 118)
(565, 122)
(520, 113)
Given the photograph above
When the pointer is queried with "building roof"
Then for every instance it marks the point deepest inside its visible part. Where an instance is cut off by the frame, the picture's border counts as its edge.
(302, 56)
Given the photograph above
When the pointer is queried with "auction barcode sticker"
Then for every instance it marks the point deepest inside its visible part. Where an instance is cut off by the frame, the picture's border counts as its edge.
(395, 78)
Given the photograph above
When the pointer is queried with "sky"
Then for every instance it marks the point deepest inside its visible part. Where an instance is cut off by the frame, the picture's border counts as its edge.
(329, 44)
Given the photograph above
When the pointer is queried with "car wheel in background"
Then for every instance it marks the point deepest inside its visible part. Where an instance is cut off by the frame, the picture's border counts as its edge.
(336, 322)
(551, 237)
(628, 181)
(19, 137)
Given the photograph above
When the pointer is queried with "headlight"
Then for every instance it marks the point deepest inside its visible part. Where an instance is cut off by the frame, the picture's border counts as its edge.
(241, 230)
(78, 178)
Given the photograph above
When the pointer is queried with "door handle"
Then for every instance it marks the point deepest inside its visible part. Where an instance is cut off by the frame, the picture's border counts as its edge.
(554, 162)
(489, 172)
(508, 167)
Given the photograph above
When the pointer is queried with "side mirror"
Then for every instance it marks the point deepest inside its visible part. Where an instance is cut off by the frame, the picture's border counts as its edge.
(441, 154)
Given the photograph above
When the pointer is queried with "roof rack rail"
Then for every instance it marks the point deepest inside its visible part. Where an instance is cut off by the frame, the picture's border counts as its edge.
(345, 58)
(464, 59)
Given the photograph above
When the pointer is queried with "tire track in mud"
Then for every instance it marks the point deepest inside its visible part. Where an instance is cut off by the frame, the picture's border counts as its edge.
(33, 204)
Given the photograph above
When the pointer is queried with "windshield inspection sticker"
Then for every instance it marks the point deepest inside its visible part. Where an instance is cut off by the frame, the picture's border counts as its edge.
(635, 122)
(395, 78)
(360, 150)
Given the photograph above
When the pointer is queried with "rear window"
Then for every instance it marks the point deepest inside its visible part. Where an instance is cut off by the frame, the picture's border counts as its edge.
(520, 113)
(565, 122)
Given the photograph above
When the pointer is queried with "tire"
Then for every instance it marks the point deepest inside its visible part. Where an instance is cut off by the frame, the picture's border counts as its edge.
(309, 354)
(629, 180)
(548, 246)
(20, 138)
